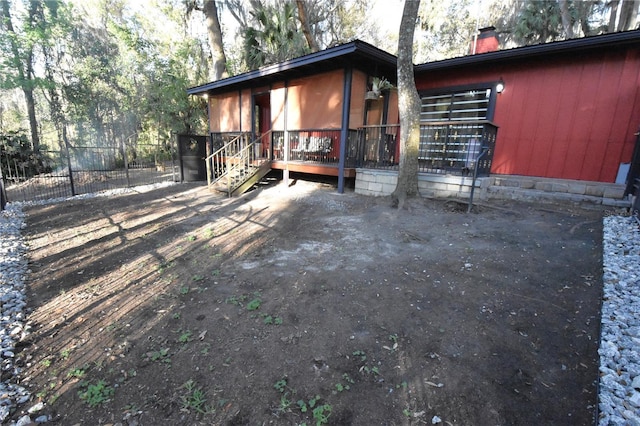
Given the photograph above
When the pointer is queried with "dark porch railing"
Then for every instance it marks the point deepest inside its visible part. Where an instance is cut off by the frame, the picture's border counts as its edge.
(453, 147)
(309, 145)
(445, 147)
(374, 147)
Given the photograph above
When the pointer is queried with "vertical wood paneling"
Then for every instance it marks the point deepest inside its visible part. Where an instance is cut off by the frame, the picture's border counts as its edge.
(569, 116)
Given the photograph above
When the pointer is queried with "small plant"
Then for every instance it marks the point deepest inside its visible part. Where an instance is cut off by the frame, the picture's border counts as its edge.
(161, 355)
(254, 304)
(341, 388)
(205, 349)
(96, 394)
(236, 300)
(192, 238)
(185, 337)
(46, 363)
(361, 355)
(195, 398)
(176, 316)
(370, 370)
(270, 320)
(312, 403)
(209, 233)
(184, 290)
(321, 414)
(164, 266)
(285, 403)
(197, 277)
(64, 354)
(348, 378)
(281, 385)
(77, 373)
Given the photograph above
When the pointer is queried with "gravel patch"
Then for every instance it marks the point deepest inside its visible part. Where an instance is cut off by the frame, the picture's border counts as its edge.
(13, 269)
(619, 386)
(619, 396)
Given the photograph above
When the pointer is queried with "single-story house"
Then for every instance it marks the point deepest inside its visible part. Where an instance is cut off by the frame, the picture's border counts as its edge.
(559, 117)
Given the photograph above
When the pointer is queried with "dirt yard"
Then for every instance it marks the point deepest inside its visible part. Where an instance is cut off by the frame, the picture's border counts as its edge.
(298, 305)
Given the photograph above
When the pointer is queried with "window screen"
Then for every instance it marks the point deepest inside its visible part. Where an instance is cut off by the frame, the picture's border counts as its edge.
(470, 105)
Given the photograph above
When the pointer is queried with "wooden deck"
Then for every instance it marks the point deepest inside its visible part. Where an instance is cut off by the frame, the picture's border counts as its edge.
(312, 168)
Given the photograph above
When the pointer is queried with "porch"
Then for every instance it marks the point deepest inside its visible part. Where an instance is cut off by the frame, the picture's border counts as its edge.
(463, 148)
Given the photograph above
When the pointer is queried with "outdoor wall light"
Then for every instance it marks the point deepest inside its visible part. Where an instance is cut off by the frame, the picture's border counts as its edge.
(500, 86)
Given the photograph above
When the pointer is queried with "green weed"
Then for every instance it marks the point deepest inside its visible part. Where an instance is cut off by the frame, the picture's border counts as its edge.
(96, 394)
(322, 413)
(192, 238)
(77, 373)
(194, 398)
(361, 355)
(254, 304)
(185, 337)
(270, 320)
(161, 355)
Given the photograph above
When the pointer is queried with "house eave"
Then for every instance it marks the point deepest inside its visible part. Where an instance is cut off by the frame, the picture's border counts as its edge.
(565, 46)
(334, 57)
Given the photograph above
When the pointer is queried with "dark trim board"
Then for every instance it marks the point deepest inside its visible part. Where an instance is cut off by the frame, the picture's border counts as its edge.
(316, 169)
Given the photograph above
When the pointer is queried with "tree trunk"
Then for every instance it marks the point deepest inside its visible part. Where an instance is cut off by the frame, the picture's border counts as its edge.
(409, 108)
(215, 40)
(25, 74)
(628, 15)
(613, 15)
(566, 18)
(306, 30)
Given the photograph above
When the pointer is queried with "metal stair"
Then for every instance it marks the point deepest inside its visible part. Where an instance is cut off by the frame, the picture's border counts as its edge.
(237, 166)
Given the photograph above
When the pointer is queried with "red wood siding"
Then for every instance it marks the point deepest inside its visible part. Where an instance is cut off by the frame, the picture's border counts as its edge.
(569, 116)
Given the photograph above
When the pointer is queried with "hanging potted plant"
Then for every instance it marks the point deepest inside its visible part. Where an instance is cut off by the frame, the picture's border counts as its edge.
(378, 85)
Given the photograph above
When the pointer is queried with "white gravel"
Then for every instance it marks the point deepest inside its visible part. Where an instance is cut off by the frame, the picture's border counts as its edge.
(620, 333)
(619, 385)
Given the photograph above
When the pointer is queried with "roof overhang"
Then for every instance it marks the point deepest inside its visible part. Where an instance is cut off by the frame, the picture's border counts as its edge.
(356, 54)
(538, 50)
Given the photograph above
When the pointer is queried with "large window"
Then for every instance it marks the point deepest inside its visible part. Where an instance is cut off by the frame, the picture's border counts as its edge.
(470, 105)
(454, 129)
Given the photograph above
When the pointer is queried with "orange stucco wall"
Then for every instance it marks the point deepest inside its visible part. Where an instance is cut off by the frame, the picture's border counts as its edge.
(316, 102)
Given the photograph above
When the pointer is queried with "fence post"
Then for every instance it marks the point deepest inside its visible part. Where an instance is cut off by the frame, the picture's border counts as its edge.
(66, 146)
(126, 163)
(3, 194)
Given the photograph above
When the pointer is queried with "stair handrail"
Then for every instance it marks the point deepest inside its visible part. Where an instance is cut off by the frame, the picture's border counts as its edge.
(242, 160)
(217, 153)
(236, 156)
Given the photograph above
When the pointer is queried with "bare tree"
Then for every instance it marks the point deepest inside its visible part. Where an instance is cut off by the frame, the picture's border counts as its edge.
(214, 33)
(567, 23)
(306, 30)
(409, 108)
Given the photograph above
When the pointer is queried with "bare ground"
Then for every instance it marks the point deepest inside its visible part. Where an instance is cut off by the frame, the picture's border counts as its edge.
(299, 305)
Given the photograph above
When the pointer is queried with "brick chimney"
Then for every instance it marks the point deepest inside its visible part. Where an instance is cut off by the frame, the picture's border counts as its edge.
(485, 41)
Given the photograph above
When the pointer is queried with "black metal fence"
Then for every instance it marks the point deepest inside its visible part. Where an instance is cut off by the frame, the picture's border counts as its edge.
(54, 174)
